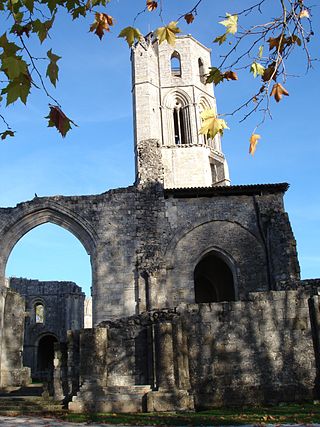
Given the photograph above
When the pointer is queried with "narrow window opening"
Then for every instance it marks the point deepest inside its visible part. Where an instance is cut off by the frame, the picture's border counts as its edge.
(201, 71)
(39, 313)
(175, 64)
(180, 131)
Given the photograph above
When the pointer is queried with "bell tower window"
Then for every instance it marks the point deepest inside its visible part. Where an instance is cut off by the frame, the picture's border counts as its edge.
(179, 122)
(201, 71)
(175, 64)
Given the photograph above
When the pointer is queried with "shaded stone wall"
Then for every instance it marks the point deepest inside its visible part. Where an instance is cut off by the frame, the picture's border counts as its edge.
(145, 242)
(12, 372)
(63, 304)
(258, 351)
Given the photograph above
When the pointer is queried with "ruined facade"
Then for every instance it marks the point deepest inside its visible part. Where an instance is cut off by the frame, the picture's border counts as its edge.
(51, 309)
(197, 298)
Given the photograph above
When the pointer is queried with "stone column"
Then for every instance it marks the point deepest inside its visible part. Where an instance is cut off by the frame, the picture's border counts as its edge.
(181, 357)
(164, 355)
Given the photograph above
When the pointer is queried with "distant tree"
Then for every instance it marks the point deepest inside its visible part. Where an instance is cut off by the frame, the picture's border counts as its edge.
(259, 38)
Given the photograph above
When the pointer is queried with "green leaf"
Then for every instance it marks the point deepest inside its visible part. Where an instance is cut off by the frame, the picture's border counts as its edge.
(220, 39)
(53, 69)
(257, 69)
(42, 28)
(215, 76)
(29, 4)
(18, 88)
(13, 66)
(9, 49)
(231, 23)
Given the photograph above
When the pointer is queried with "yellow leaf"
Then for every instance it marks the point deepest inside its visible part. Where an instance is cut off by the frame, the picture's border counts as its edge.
(130, 34)
(257, 69)
(253, 143)
(168, 33)
(211, 124)
(231, 23)
(304, 14)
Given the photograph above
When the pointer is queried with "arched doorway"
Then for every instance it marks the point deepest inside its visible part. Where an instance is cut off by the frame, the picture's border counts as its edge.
(45, 356)
(213, 280)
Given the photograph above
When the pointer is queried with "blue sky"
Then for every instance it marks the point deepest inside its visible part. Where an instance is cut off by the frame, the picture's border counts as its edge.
(94, 89)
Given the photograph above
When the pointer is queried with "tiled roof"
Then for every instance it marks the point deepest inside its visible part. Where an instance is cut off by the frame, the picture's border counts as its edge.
(225, 190)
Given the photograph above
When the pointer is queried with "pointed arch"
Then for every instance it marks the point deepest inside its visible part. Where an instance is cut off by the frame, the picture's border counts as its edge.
(177, 106)
(50, 212)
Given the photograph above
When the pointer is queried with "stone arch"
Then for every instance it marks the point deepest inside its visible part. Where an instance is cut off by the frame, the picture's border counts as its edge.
(241, 250)
(47, 213)
(214, 278)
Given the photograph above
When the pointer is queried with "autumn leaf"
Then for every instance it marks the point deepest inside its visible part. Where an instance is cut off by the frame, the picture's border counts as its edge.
(151, 5)
(101, 23)
(253, 143)
(130, 34)
(293, 39)
(278, 91)
(260, 53)
(189, 18)
(231, 23)
(6, 133)
(270, 73)
(211, 124)
(59, 120)
(168, 33)
(220, 39)
(276, 43)
(53, 69)
(230, 75)
(257, 69)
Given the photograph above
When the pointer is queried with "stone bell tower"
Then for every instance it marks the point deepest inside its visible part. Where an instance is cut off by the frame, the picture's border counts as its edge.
(169, 94)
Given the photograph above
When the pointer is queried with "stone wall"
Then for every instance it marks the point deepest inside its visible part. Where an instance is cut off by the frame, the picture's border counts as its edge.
(12, 372)
(258, 351)
(63, 305)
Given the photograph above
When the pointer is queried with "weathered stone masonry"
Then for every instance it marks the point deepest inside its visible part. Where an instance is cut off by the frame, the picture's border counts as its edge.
(197, 298)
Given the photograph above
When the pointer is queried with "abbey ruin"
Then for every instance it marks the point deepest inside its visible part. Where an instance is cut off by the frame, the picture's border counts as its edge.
(197, 297)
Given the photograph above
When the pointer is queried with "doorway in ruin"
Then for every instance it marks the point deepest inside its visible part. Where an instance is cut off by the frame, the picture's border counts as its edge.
(45, 356)
(213, 279)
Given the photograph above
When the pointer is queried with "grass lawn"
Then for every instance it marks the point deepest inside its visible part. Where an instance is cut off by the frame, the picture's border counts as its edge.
(294, 413)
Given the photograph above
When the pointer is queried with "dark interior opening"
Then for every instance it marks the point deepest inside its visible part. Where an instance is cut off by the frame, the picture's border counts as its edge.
(45, 355)
(213, 280)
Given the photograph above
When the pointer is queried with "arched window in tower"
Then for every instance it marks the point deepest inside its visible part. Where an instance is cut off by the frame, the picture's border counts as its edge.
(180, 125)
(39, 312)
(176, 64)
(201, 71)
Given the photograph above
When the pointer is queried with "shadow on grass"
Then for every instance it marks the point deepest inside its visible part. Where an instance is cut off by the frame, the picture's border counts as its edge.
(302, 414)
